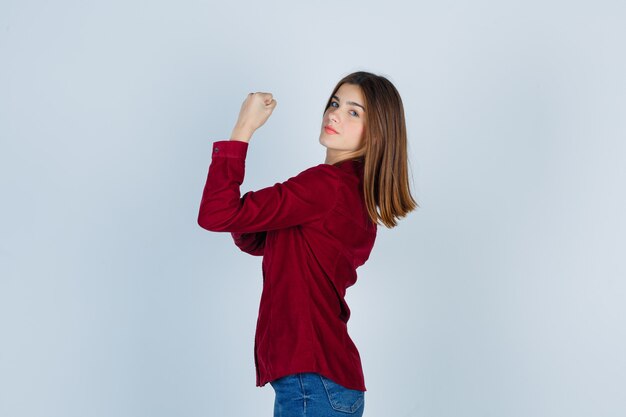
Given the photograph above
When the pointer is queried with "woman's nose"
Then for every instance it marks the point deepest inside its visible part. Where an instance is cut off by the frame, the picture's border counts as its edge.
(333, 116)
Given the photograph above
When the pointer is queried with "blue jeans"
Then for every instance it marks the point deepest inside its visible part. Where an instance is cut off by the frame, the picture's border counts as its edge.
(313, 395)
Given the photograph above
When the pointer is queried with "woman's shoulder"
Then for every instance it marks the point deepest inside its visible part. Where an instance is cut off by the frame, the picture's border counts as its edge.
(321, 171)
(329, 177)
(345, 166)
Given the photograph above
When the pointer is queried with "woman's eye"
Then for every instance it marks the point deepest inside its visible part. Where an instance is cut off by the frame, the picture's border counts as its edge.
(352, 112)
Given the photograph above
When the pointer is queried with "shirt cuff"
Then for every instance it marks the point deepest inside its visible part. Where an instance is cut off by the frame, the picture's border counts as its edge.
(230, 149)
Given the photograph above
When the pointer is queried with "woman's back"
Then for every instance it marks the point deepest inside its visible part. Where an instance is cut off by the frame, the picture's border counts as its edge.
(307, 268)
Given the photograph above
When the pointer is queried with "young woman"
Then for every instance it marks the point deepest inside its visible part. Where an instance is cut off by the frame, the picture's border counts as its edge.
(313, 231)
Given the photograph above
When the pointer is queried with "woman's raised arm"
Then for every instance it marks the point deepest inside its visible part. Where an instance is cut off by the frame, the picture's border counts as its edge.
(306, 197)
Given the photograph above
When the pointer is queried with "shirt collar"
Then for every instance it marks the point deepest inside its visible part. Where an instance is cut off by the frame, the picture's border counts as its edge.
(351, 165)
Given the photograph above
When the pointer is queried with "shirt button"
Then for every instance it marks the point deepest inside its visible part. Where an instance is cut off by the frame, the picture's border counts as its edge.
(216, 150)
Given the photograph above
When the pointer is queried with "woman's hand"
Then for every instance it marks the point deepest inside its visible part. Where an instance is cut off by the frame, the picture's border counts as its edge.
(255, 111)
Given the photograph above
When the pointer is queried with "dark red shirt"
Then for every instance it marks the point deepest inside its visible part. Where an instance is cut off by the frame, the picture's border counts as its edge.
(313, 232)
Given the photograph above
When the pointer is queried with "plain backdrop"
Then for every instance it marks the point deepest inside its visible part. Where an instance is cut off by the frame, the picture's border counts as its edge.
(503, 295)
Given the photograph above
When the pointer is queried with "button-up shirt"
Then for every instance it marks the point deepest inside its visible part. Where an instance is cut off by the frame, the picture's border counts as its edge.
(313, 232)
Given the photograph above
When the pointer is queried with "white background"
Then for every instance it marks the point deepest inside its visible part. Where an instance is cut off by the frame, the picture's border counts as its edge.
(503, 295)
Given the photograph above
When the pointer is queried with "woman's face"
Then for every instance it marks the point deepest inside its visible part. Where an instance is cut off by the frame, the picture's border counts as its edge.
(344, 121)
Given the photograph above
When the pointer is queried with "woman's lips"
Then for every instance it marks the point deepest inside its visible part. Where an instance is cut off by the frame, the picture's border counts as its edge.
(330, 130)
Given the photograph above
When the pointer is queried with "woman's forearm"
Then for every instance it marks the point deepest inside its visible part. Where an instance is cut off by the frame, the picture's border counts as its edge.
(241, 133)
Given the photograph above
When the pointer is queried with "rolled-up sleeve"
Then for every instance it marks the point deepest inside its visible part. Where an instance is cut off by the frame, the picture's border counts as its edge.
(304, 198)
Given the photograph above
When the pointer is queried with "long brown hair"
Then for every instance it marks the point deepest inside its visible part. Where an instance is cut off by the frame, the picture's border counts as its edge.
(383, 148)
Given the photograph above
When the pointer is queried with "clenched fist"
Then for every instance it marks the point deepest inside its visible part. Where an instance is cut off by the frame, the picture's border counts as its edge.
(255, 111)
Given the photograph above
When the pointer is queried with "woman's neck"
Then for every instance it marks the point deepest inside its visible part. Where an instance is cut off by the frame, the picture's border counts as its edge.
(333, 156)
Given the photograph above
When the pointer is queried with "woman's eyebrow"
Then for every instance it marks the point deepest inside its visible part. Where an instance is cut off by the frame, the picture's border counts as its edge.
(350, 102)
